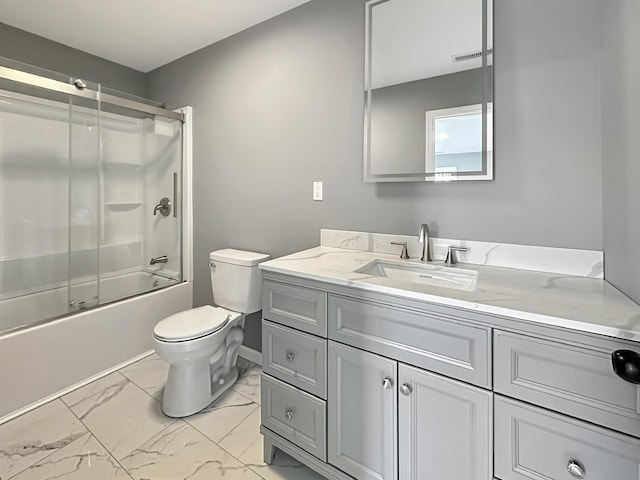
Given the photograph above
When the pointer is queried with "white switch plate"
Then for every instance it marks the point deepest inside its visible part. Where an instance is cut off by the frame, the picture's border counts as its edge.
(317, 191)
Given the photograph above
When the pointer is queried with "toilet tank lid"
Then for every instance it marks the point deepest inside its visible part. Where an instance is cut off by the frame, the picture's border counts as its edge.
(238, 257)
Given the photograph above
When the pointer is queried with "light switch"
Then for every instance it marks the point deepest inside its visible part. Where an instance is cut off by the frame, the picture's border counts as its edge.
(317, 191)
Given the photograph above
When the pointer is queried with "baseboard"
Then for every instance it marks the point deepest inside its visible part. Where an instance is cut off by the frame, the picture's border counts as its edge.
(251, 355)
(63, 392)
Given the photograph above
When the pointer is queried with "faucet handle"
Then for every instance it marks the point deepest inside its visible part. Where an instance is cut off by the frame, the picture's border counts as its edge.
(450, 260)
(405, 254)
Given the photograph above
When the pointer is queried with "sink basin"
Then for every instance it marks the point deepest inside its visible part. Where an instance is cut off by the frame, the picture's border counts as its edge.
(425, 274)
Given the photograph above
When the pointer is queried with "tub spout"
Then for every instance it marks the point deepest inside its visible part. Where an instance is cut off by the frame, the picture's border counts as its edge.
(162, 259)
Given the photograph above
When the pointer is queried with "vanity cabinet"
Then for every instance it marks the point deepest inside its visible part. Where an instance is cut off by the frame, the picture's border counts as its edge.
(444, 426)
(369, 386)
(362, 413)
(388, 420)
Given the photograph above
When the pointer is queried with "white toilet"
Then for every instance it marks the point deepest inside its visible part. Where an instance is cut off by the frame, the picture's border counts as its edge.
(201, 345)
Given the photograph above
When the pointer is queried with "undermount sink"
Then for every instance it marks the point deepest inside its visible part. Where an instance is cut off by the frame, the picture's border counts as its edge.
(425, 274)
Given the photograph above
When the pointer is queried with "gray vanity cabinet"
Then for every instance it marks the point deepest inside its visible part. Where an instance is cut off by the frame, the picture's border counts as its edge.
(362, 413)
(445, 428)
(440, 428)
(360, 385)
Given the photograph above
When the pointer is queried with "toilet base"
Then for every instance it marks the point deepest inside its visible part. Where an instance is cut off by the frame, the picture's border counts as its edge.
(177, 404)
(224, 384)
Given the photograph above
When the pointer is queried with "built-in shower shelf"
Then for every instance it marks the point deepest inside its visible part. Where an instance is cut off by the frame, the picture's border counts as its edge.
(122, 164)
(122, 206)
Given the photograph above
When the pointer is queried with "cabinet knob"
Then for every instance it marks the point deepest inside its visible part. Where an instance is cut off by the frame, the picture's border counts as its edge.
(575, 469)
(406, 389)
(289, 413)
(387, 383)
(290, 357)
(626, 364)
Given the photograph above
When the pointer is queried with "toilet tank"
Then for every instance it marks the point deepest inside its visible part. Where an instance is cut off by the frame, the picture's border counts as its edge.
(235, 279)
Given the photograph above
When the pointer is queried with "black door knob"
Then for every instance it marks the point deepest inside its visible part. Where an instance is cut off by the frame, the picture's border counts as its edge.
(626, 364)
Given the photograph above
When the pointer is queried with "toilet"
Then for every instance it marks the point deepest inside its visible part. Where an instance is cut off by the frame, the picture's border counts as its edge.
(201, 345)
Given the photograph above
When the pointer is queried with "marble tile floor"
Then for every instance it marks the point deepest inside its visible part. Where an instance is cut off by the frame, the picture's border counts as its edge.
(113, 428)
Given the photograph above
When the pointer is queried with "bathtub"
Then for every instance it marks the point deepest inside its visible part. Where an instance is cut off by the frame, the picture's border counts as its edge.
(44, 361)
(31, 307)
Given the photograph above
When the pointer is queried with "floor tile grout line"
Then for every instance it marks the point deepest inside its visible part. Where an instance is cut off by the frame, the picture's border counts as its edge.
(141, 388)
(103, 445)
(238, 459)
(227, 434)
(143, 442)
(245, 396)
(53, 452)
(92, 395)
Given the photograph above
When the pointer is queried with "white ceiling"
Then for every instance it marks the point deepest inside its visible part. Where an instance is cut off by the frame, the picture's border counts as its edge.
(141, 34)
(415, 39)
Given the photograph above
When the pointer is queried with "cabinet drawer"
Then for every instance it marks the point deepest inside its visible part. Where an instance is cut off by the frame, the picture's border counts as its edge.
(295, 357)
(297, 307)
(576, 380)
(532, 443)
(294, 415)
(434, 342)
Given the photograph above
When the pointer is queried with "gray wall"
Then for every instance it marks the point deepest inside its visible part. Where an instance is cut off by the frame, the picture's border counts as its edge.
(280, 105)
(38, 51)
(398, 117)
(620, 128)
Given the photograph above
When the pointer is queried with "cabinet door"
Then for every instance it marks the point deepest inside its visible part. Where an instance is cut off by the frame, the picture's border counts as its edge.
(362, 413)
(445, 428)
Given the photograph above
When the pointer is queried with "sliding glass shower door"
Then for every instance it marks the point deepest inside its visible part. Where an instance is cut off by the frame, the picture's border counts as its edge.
(84, 217)
(90, 197)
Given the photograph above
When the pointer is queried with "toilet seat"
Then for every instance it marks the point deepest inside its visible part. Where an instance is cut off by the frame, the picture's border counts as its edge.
(192, 324)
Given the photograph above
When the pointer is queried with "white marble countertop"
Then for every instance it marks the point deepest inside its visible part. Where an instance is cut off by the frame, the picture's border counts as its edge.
(578, 303)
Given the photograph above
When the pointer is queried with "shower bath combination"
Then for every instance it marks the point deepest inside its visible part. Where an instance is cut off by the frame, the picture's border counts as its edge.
(82, 169)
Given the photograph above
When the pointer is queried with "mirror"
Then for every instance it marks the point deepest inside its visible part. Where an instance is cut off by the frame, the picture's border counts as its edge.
(429, 90)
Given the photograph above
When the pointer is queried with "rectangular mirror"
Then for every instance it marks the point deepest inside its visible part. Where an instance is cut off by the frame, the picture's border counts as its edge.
(429, 90)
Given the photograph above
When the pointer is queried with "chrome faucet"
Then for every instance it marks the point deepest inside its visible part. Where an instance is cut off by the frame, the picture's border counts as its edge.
(423, 238)
(162, 259)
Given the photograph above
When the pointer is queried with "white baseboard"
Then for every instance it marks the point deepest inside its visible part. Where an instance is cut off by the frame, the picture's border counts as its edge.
(250, 354)
(63, 392)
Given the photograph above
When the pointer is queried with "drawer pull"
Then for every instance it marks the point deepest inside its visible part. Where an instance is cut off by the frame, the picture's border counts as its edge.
(405, 389)
(575, 469)
(387, 383)
(289, 413)
(626, 364)
(290, 357)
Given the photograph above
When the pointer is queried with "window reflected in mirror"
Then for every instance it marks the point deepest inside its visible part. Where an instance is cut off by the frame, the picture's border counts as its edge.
(454, 141)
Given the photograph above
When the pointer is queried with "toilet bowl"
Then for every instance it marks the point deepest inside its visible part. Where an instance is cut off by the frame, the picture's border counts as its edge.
(201, 345)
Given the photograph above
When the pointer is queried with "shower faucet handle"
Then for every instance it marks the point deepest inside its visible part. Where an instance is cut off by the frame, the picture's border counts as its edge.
(164, 207)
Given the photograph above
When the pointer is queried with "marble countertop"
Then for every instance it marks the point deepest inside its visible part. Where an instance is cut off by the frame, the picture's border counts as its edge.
(573, 302)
